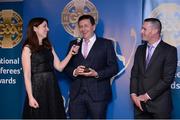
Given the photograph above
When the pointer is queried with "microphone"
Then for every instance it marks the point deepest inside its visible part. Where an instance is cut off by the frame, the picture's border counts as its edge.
(78, 41)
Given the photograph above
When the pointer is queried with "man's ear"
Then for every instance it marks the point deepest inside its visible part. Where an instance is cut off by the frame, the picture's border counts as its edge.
(94, 27)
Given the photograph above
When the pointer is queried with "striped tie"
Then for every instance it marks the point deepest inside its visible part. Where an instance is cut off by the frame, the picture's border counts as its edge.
(149, 55)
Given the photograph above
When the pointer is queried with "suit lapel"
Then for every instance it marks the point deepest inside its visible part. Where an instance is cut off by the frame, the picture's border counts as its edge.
(144, 57)
(80, 50)
(92, 51)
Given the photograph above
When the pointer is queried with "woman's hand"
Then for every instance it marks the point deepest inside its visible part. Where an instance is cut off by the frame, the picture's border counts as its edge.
(74, 49)
(33, 103)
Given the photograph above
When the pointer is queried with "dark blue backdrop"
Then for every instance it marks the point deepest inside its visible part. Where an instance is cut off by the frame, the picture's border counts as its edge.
(119, 20)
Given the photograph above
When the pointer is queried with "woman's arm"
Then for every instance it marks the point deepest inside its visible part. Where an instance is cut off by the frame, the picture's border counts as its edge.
(26, 64)
(60, 65)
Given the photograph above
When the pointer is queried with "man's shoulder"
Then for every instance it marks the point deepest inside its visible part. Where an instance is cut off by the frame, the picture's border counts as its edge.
(167, 46)
(142, 46)
(104, 40)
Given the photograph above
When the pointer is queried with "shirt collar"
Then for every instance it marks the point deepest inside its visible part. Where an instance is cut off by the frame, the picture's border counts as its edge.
(156, 43)
(92, 39)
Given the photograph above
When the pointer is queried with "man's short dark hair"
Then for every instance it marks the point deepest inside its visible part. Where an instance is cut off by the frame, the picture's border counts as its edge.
(83, 17)
(155, 22)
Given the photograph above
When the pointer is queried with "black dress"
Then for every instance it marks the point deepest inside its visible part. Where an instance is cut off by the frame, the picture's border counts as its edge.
(44, 87)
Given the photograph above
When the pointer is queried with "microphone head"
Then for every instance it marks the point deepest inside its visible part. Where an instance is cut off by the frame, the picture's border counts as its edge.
(78, 41)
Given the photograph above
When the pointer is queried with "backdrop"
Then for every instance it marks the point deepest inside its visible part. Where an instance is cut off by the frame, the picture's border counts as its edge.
(119, 20)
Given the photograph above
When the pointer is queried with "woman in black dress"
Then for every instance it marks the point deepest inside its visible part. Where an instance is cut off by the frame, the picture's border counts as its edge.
(39, 59)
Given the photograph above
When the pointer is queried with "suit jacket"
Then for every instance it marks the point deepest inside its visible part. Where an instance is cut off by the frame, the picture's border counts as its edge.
(102, 59)
(157, 78)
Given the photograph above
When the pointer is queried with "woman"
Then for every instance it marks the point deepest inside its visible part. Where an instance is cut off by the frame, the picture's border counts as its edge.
(39, 59)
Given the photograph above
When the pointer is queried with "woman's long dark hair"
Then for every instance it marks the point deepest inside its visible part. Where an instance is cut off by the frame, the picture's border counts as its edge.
(32, 40)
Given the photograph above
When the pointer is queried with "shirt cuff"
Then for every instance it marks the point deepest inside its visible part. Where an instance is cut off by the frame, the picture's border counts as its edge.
(74, 73)
(97, 76)
(148, 96)
(133, 94)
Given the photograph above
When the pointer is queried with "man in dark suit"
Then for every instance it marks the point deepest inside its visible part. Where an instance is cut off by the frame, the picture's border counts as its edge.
(152, 73)
(91, 70)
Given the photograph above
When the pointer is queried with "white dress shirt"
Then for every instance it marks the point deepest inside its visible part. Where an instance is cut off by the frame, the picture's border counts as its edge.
(90, 44)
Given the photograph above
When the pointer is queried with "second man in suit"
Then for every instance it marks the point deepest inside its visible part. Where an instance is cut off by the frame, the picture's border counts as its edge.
(152, 74)
(90, 71)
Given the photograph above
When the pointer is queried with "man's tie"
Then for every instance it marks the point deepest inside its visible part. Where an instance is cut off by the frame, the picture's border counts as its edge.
(149, 55)
(85, 52)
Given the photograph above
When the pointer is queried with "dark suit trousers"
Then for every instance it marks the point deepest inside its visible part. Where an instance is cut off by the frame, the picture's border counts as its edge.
(84, 107)
(149, 115)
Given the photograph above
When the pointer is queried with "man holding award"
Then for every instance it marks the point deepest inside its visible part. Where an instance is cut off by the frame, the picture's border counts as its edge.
(91, 70)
